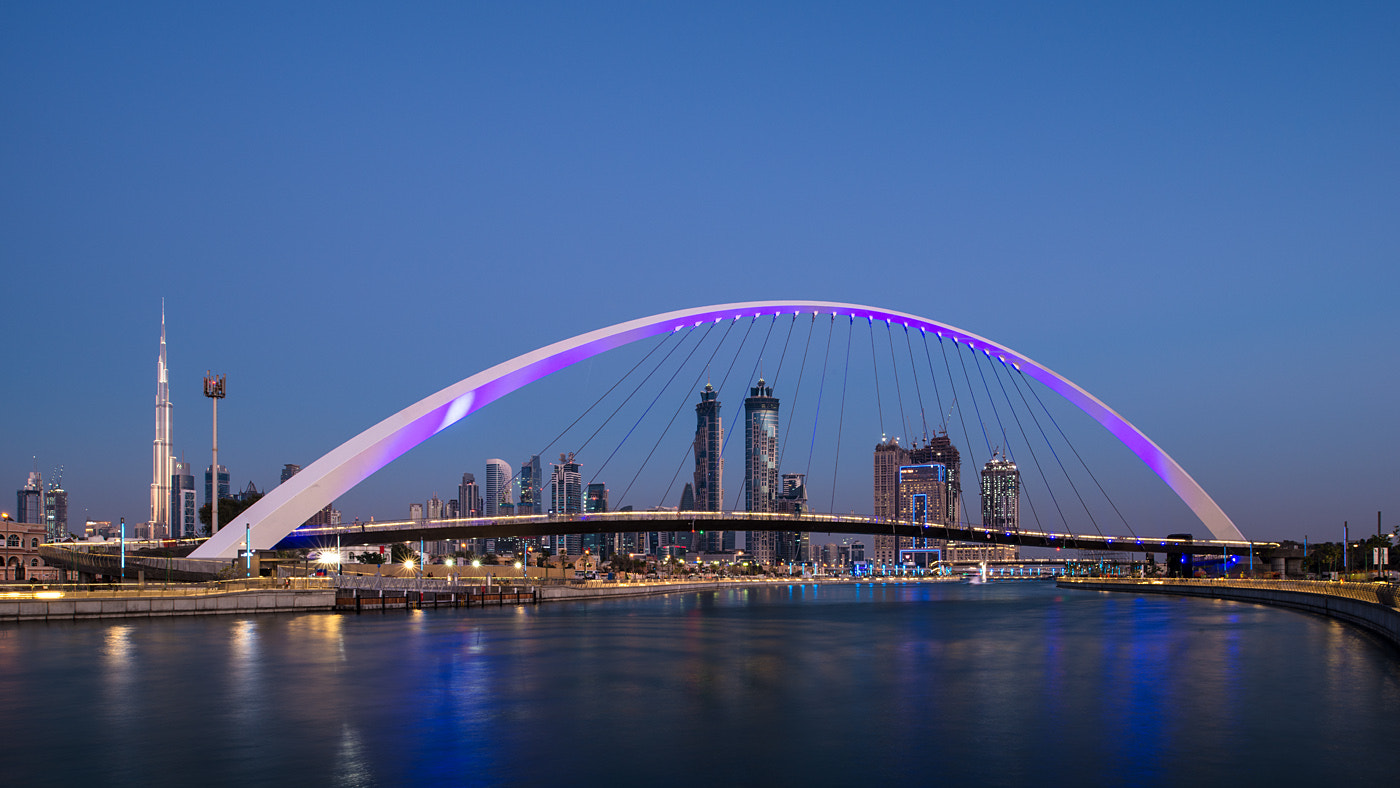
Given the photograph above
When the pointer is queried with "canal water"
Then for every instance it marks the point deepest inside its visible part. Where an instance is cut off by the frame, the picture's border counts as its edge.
(998, 684)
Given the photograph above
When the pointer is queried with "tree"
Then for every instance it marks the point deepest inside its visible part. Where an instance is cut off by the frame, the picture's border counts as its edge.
(229, 508)
(370, 558)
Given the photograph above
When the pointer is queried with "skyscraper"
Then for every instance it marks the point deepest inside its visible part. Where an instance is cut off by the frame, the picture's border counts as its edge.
(761, 466)
(184, 506)
(566, 486)
(30, 500)
(940, 449)
(923, 496)
(709, 464)
(162, 455)
(531, 487)
(889, 458)
(434, 508)
(497, 489)
(597, 498)
(56, 509)
(289, 470)
(1001, 495)
(566, 497)
(209, 485)
(469, 497)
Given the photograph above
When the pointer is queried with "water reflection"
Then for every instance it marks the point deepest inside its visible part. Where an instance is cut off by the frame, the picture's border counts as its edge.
(999, 685)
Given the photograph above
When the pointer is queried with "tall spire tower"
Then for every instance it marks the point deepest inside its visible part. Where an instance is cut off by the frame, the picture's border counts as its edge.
(162, 456)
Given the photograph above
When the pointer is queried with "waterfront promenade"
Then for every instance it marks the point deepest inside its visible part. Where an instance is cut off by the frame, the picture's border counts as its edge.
(1371, 606)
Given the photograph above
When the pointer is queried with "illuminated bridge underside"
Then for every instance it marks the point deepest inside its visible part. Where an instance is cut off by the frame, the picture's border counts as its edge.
(613, 522)
(294, 501)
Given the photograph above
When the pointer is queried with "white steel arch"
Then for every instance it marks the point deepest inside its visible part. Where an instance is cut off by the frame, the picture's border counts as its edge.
(292, 502)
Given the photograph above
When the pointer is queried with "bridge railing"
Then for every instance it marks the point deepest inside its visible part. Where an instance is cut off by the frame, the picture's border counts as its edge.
(1375, 593)
(156, 588)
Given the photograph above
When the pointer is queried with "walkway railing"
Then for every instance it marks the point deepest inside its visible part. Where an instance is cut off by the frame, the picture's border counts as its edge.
(1375, 593)
(154, 589)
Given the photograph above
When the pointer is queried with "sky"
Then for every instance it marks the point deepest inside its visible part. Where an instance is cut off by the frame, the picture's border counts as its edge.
(1189, 209)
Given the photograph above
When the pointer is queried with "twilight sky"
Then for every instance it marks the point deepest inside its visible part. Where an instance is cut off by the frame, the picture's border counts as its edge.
(1190, 210)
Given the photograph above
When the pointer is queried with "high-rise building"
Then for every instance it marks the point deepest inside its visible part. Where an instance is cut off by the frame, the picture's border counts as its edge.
(469, 497)
(940, 449)
(889, 458)
(162, 455)
(566, 497)
(209, 484)
(30, 501)
(433, 510)
(531, 487)
(1001, 495)
(761, 466)
(709, 463)
(566, 486)
(497, 489)
(184, 503)
(597, 498)
(923, 496)
(415, 511)
(56, 508)
(289, 470)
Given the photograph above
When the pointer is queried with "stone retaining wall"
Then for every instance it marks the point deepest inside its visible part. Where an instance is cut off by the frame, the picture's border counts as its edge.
(1380, 619)
(263, 601)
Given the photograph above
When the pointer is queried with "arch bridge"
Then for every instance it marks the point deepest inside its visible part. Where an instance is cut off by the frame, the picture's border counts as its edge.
(269, 522)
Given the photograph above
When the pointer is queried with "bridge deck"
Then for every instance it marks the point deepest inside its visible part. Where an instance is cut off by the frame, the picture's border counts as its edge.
(612, 522)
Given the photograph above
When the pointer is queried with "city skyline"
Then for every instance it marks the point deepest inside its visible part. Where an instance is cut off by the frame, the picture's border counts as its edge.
(1177, 211)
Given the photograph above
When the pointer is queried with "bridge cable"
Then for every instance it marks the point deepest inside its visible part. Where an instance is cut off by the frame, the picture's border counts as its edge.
(685, 399)
(781, 358)
(1071, 448)
(801, 371)
(1053, 453)
(1034, 459)
(752, 372)
(936, 393)
(967, 435)
(826, 359)
(1072, 485)
(975, 407)
(918, 390)
(841, 418)
(664, 339)
(898, 390)
(875, 366)
(691, 445)
(648, 408)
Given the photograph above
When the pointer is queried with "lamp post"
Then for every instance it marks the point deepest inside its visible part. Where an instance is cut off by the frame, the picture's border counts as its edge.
(214, 390)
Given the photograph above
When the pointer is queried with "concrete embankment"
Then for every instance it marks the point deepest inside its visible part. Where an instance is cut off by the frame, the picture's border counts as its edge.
(1335, 600)
(68, 608)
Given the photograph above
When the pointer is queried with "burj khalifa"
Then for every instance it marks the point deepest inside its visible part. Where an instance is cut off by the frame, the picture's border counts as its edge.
(162, 457)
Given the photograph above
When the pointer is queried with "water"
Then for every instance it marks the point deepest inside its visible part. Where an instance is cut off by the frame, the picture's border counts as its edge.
(833, 685)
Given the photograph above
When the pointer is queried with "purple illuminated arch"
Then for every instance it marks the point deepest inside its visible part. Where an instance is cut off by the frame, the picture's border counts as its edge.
(295, 500)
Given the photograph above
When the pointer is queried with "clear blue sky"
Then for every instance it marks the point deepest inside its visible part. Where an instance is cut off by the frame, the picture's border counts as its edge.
(1191, 209)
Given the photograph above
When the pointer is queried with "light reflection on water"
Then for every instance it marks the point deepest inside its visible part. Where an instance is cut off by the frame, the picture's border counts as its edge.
(997, 684)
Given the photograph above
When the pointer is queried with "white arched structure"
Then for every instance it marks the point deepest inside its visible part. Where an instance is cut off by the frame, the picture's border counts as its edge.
(292, 502)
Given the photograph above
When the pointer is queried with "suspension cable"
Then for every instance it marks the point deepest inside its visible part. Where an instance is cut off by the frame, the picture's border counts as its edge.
(691, 446)
(918, 391)
(684, 399)
(898, 390)
(841, 419)
(875, 366)
(967, 436)
(826, 359)
(648, 408)
(801, 371)
(934, 378)
(1069, 443)
(1034, 459)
